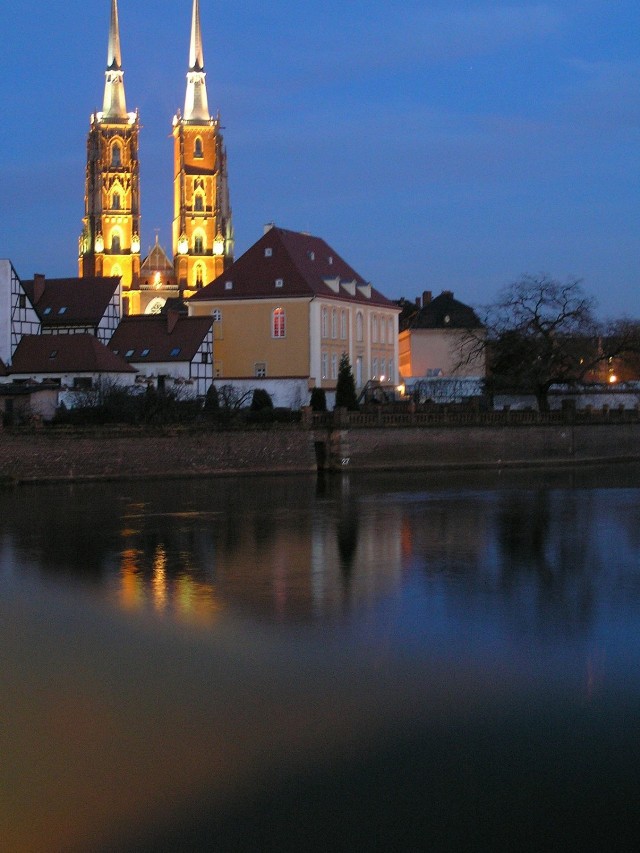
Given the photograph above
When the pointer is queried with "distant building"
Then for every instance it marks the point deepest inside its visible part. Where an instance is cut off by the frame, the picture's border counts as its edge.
(432, 337)
(286, 310)
(167, 350)
(73, 306)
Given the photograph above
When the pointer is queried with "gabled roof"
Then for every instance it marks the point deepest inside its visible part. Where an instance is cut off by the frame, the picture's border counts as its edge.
(291, 264)
(65, 354)
(70, 301)
(443, 312)
(158, 337)
(156, 261)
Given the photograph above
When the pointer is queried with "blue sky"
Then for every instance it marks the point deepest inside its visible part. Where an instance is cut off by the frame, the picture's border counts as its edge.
(433, 145)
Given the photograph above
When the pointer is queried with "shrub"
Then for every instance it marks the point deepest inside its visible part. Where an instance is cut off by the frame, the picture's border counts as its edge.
(346, 387)
(261, 400)
(318, 401)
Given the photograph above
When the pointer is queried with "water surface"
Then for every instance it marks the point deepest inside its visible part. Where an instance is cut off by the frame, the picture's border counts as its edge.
(371, 662)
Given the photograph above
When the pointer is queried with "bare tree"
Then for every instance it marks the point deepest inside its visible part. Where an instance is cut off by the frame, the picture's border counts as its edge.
(541, 332)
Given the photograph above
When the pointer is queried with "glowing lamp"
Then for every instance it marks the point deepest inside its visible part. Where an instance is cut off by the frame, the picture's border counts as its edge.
(99, 243)
(135, 244)
(613, 378)
(218, 246)
(183, 245)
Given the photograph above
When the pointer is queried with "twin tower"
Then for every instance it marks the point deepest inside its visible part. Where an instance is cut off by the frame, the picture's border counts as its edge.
(202, 230)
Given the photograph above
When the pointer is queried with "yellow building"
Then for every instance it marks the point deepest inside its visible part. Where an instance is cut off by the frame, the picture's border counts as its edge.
(202, 230)
(287, 310)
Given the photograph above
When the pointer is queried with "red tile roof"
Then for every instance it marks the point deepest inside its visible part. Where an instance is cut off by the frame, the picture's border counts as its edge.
(169, 337)
(70, 301)
(65, 354)
(302, 262)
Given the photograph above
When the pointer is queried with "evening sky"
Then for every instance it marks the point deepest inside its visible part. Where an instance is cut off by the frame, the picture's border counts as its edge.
(435, 145)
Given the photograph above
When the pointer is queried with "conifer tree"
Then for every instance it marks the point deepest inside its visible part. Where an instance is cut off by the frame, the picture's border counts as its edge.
(346, 387)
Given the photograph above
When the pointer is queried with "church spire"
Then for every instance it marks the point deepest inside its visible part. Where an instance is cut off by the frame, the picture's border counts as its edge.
(196, 107)
(114, 106)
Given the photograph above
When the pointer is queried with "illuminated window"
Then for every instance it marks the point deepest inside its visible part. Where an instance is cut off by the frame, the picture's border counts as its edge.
(278, 323)
(115, 244)
(198, 244)
(198, 276)
(197, 148)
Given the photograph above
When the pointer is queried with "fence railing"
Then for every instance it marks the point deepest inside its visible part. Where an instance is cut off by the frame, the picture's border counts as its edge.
(343, 419)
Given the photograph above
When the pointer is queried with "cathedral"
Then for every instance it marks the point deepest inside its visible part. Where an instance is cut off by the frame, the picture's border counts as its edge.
(202, 231)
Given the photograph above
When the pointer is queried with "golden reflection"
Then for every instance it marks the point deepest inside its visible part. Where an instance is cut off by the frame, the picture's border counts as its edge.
(159, 580)
(132, 584)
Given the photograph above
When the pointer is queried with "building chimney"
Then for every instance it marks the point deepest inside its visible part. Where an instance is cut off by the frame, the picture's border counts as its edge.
(448, 293)
(268, 226)
(172, 318)
(38, 287)
(426, 297)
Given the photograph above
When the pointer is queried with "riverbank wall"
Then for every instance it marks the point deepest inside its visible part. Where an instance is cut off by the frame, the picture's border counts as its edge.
(93, 454)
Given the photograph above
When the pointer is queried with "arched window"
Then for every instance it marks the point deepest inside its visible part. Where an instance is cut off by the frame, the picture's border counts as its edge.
(198, 276)
(116, 155)
(197, 148)
(198, 244)
(359, 326)
(278, 324)
(343, 325)
(116, 201)
(198, 203)
(155, 306)
(115, 243)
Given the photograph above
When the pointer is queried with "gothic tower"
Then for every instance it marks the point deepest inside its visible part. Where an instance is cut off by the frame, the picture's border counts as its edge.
(202, 229)
(110, 240)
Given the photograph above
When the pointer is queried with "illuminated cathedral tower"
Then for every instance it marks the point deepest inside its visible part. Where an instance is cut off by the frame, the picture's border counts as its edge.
(202, 229)
(110, 240)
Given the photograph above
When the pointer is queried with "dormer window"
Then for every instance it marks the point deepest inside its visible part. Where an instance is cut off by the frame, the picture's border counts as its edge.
(46, 311)
(145, 352)
(129, 353)
(53, 353)
(228, 285)
(62, 310)
(174, 352)
(311, 255)
(330, 259)
(268, 252)
(279, 282)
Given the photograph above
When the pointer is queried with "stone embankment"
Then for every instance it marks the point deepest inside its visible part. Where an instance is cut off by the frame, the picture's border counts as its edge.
(48, 454)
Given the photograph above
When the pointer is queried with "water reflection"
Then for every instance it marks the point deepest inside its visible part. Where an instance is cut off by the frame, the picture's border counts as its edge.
(225, 654)
(542, 554)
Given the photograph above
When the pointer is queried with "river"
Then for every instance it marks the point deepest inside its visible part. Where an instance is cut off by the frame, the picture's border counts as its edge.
(372, 662)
